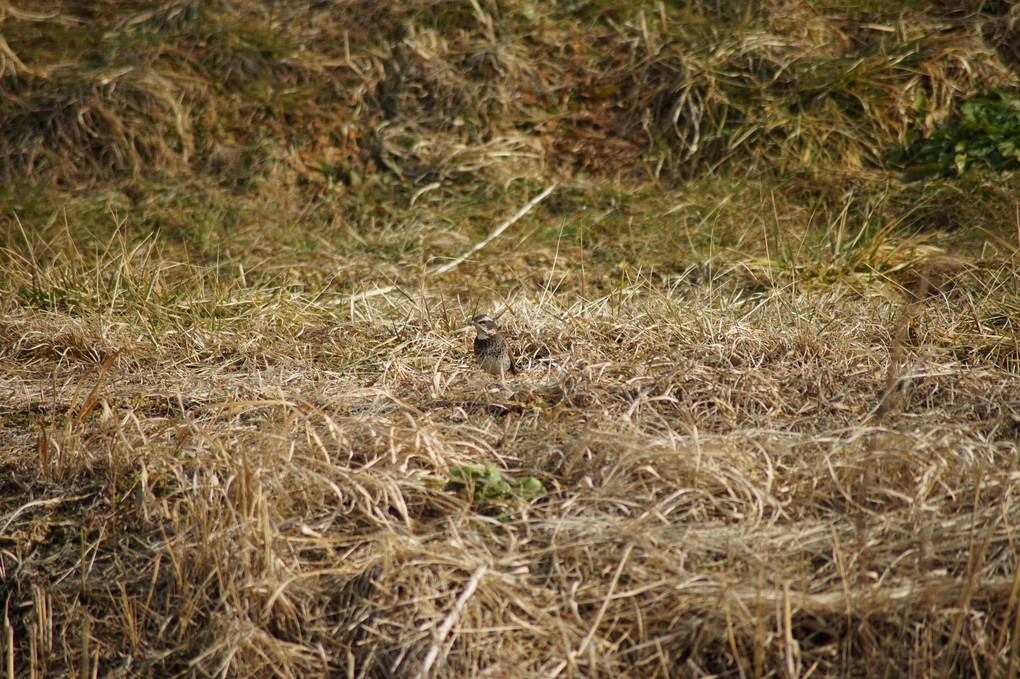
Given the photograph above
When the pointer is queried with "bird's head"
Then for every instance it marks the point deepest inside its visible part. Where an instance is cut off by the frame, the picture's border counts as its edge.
(484, 326)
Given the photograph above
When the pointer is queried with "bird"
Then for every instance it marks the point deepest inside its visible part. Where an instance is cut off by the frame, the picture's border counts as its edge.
(491, 349)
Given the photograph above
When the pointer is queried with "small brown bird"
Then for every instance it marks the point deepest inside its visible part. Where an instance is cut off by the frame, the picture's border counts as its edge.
(491, 349)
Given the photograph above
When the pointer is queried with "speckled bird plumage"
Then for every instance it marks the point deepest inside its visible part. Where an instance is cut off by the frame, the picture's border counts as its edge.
(491, 349)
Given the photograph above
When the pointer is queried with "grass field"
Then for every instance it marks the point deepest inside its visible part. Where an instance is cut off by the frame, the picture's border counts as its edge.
(758, 262)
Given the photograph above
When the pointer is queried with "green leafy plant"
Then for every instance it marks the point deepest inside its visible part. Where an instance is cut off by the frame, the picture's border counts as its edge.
(488, 486)
(988, 131)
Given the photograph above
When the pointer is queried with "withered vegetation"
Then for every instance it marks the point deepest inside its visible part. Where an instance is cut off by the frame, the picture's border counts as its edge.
(769, 389)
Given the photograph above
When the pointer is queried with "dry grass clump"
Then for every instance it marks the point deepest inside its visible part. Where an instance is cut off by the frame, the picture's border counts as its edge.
(426, 92)
(70, 117)
(727, 492)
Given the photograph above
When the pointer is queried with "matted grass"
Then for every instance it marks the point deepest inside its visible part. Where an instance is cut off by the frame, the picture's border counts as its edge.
(771, 393)
(749, 469)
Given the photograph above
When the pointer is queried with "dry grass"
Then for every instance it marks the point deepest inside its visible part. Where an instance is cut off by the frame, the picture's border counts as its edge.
(427, 91)
(259, 486)
(772, 393)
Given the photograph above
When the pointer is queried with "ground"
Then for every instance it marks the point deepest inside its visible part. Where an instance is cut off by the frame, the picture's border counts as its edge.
(768, 409)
